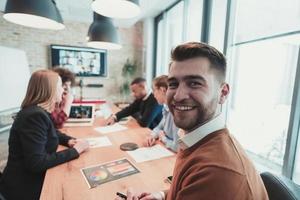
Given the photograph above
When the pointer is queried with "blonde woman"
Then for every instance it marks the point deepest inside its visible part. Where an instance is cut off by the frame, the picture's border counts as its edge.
(33, 139)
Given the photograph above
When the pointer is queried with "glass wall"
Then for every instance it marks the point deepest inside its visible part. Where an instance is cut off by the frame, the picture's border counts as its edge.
(257, 19)
(261, 99)
(217, 24)
(264, 54)
(194, 20)
(182, 22)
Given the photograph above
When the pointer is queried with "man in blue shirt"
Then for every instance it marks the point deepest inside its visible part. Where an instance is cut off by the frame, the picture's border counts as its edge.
(166, 131)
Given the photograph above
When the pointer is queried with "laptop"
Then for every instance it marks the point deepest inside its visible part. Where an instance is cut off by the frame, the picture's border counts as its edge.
(81, 115)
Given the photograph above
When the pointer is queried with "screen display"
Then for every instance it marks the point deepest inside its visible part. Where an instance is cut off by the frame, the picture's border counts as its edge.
(80, 112)
(81, 61)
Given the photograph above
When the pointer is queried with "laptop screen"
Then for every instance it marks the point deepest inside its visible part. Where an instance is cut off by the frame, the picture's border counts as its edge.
(81, 111)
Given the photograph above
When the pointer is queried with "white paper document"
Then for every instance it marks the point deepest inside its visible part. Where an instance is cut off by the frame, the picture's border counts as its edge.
(98, 142)
(149, 153)
(112, 128)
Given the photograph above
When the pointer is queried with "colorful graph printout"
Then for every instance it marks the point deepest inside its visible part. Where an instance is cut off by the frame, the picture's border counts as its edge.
(110, 171)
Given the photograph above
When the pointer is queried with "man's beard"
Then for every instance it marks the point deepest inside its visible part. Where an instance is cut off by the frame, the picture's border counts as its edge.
(203, 115)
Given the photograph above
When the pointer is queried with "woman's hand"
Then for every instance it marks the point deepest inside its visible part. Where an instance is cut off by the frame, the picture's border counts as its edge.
(72, 142)
(81, 145)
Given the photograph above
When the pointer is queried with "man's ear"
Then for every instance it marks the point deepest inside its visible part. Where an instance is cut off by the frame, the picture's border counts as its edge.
(224, 93)
(163, 89)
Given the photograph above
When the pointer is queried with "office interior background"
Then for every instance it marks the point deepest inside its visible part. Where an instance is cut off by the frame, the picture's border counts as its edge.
(260, 39)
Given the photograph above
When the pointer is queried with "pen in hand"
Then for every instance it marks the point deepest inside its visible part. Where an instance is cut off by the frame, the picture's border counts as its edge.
(123, 196)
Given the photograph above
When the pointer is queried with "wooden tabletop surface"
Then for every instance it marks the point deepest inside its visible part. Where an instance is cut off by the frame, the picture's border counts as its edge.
(66, 181)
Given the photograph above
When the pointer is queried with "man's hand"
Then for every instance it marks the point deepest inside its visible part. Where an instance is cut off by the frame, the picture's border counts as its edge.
(161, 135)
(111, 120)
(143, 196)
(150, 141)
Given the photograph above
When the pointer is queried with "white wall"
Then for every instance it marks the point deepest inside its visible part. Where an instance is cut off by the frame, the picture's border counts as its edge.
(14, 76)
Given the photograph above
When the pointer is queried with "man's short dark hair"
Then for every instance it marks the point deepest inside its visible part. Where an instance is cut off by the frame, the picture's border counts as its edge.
(197, 49)
(138, 80)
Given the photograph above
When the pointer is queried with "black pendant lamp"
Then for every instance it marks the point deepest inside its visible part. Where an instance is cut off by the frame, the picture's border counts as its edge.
(117, 8)
(102, 34)
(41, 14)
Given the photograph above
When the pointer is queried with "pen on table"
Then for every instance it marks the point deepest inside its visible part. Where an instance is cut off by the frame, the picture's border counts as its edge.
(121, 195)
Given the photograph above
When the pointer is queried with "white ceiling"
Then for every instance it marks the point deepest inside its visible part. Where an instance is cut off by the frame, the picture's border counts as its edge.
(81, 11)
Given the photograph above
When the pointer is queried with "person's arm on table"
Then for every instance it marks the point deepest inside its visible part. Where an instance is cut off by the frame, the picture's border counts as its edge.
(125, 112)
(170, 144)
(150, 140)
(33, 140)
(111, 120)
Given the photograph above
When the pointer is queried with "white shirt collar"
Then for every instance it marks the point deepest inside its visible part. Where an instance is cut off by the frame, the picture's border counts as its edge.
(146, 97)
(166, 107)
(191, 138)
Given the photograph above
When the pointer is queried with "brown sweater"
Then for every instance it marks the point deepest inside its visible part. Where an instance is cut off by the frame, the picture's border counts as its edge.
(215, 168)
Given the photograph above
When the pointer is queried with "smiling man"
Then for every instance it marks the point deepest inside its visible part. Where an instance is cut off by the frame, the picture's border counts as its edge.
(211, 164)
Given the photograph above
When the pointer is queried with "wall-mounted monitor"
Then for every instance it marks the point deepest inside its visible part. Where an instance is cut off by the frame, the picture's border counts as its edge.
(82, 61)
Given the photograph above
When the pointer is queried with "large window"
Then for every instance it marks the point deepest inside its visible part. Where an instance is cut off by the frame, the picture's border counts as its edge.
(263, 65)
(159, 47)
(182, 22)
(194, 20)
(257, 19)
(217, 24)
(262, 90)
(174, 31)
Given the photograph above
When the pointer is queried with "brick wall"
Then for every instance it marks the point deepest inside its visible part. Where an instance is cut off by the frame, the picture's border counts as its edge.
(36, 43)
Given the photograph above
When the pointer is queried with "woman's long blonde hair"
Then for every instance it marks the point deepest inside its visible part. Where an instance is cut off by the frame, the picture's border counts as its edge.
(41, 89)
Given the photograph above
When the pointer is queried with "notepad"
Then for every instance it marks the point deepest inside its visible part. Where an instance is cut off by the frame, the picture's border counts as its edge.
(98, 142)
(149, 153)
(111, 128)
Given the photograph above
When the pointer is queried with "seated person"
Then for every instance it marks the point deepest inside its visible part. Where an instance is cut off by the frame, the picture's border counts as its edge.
(33, 140)
(62, 110)
(144, 109)
(166, 130)
(210, 164)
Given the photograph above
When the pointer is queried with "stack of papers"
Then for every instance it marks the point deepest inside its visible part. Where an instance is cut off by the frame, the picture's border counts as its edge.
(149, 153)
(98, 142)
(112, 128)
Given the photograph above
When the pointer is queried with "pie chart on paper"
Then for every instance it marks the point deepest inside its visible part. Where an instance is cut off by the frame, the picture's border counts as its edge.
(98, 175)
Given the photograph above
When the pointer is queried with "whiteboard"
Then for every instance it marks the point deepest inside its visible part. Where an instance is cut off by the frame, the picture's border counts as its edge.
(14, 77)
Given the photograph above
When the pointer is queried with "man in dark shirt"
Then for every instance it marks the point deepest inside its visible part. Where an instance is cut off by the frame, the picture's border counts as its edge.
(144, 109)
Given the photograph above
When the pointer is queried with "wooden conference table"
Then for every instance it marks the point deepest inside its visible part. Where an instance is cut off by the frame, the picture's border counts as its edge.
(66, 181)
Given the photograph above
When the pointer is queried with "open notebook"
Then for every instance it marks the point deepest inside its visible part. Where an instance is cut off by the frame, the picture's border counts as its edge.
(81, 115)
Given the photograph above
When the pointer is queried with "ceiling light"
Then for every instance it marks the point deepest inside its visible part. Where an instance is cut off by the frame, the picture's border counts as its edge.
(102, 34)
(41, 14)
(117, 8)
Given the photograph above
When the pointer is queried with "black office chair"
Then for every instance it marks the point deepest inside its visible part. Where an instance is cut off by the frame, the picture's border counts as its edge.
(1, 197)
(280, 188)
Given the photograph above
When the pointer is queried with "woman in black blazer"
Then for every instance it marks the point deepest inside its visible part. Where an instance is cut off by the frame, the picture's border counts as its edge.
(33, 140)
